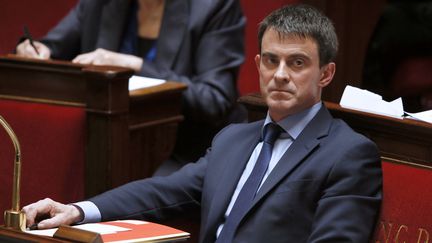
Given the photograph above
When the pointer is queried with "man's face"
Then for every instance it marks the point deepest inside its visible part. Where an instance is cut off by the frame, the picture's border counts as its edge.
(291, 79)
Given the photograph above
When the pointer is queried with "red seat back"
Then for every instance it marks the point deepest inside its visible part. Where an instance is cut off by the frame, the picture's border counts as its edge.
(52, 140)
(406, 211)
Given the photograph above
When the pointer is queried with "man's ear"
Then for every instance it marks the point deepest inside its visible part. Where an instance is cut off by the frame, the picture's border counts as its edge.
(327, 74)
(257, 61)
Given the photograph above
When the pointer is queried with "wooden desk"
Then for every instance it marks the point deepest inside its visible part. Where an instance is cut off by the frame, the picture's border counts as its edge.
(123, 129)
(9, 235)
(401, 139)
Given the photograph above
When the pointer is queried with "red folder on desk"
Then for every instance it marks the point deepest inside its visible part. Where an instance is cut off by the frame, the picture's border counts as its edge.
(142, 231)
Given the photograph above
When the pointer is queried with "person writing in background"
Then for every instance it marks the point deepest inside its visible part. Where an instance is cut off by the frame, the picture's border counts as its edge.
(299, 175)
(196, 42)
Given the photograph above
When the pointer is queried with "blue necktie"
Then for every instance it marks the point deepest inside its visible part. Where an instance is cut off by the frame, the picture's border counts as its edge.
(248, 192)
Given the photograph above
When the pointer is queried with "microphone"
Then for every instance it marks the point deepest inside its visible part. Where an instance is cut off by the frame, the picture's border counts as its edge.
(14, 218)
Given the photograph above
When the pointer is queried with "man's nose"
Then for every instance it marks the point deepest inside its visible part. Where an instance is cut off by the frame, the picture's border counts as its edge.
(281, 74)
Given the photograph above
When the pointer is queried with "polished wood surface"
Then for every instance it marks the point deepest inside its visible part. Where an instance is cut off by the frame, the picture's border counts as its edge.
(124, 129)
(401, 139)
(10, 235)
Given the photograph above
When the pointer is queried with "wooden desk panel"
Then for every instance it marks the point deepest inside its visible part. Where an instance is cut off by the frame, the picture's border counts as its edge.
(10, 235)
(123, 128)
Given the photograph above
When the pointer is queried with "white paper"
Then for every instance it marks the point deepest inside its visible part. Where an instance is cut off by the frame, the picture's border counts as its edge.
(101, 228)
(364, 100)
(131, 221)
(139, 82)
(423, 116)
(94, 227)
(47, 232)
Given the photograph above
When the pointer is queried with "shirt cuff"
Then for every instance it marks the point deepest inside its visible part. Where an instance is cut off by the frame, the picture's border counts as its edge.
(90, 211)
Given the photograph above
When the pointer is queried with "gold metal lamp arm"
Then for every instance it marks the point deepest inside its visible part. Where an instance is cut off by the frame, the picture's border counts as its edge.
(14, 218)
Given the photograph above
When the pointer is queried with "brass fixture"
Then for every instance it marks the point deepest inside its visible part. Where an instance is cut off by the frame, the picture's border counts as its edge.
(14, 218)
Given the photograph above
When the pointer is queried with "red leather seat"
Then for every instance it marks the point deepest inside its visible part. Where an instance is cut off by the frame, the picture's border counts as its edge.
(406, 211)
(52, 141)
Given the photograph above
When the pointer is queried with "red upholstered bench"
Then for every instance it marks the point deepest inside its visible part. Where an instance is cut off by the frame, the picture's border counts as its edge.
(406, 211)
(52, 141)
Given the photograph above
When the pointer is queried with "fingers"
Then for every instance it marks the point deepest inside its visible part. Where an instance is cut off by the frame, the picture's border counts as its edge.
(105, 57)
(97, 57)
(48, 214)
(37, 209)
(61, 214)
(86, 58)
(44, 51)
(26, 50)
(39, 50)
(57, 220)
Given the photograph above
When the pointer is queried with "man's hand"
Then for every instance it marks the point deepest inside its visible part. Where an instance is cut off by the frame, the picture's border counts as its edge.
(105, 57)
(25, 49)
(47, 214)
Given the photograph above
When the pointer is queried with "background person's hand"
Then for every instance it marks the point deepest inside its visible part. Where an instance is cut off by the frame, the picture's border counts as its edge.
(105, 57)
(47, 214)
(25, 49)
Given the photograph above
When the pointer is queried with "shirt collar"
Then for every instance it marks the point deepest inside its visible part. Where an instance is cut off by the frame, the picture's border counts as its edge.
(293, 125)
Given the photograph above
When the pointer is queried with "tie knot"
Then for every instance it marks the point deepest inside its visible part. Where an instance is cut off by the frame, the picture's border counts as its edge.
(271, 133)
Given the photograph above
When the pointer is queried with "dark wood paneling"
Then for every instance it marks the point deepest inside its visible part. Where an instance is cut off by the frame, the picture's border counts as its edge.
(354, 21)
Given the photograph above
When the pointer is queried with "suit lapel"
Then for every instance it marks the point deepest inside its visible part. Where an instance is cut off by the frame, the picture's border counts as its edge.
(114, 15)
(173, 29)
(233, 169)
(308, 140)
(294, 155)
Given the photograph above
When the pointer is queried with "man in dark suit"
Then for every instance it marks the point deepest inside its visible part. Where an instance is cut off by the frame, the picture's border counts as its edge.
(195, 42)
(320, 182)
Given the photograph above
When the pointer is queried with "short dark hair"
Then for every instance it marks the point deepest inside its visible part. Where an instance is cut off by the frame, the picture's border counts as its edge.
(304, 21)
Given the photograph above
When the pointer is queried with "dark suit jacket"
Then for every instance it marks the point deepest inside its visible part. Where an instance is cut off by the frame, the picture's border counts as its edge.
(200, 44)
(325, 188)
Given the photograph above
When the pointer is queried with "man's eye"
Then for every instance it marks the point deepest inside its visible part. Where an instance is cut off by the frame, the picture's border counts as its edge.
(272, 60)
(298, 63)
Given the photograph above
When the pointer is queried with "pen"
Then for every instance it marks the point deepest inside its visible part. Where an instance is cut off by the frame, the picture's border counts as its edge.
(29, 37)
